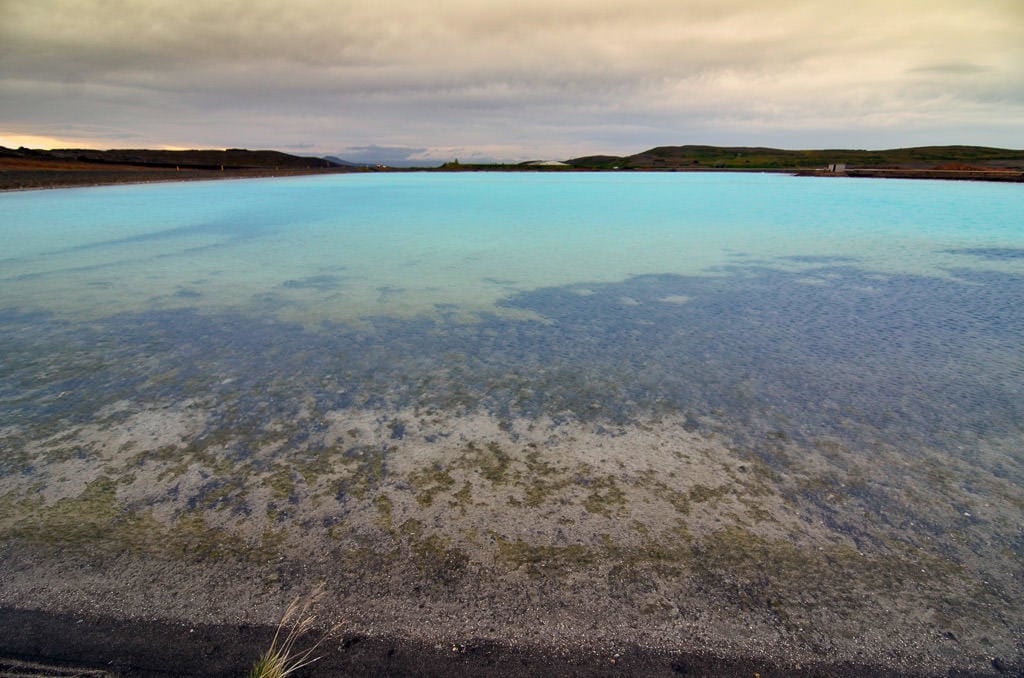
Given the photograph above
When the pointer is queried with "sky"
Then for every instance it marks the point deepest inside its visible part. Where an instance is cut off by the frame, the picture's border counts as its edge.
(423, 82)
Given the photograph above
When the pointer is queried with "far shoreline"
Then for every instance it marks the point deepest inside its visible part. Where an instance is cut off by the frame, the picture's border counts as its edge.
(60, 179)
(26, 168)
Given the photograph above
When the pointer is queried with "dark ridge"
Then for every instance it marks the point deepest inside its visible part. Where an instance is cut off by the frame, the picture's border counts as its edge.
(32, 168)
(755, 157)
(345, 163)
(232, 158)
(26, 168)
(596, 160)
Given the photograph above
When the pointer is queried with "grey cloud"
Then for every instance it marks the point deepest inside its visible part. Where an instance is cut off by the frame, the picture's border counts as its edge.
(344, 44)
(397, 156)
(952, 68)
(531, 73)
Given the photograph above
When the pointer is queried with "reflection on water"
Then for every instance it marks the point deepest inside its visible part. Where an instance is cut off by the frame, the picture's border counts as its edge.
(788, 421)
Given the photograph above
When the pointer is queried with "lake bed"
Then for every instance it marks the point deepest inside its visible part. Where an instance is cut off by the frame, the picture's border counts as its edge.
(753, 415)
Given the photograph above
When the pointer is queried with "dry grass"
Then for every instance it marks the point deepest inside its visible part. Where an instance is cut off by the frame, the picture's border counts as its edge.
(284, 656)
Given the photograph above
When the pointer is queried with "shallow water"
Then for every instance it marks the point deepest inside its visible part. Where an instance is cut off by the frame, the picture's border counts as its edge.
(895, 300)
(858, 341)
(342, 248)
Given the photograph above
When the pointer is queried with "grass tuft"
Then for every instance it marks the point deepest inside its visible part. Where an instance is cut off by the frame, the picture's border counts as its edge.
(284, 657)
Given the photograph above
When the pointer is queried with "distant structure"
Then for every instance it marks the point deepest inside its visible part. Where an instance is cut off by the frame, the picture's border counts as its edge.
(548, 163)
(837, 167)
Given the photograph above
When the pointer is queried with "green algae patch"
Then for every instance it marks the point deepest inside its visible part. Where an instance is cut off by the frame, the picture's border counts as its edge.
(492, 461)
(209, 450)
(281, 483)
(367, 466)
(315, 466)
(437, 560)
(545, 559)
(15, 458)
(385, 510)
(91, 519)
(606, 497)
(174, 460)
(791, 580)
(221, 493)
(430, 482)
(680, 501)
(740, 551)
(700, 494)
(541, 480)
(463, 498)
(96, 522)
(272, 542)
(55, 454)
(192, 538)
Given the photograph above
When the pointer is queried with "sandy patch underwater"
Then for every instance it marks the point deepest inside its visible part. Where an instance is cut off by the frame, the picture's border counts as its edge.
(451, 528)
(765, 459)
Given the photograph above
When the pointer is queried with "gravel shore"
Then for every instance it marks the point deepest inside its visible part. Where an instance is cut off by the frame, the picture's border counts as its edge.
(649, 543)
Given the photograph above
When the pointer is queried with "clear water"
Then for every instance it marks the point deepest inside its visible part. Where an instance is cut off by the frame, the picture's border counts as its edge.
(344, 248)
(884, 317)
(735, 293)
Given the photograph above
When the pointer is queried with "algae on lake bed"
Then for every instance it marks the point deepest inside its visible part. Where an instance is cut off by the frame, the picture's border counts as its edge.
(748, 470)
(664, 524)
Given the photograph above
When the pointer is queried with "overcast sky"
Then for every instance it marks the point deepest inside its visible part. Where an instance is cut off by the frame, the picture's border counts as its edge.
(430, 80)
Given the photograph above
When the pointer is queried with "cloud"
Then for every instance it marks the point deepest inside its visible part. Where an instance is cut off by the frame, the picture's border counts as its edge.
(952, 68)
(397, 156)
(530, 78)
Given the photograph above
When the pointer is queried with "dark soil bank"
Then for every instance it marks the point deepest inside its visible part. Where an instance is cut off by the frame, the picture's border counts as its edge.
(130, 648)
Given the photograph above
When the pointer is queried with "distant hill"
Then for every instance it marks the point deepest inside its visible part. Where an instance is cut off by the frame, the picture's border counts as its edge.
(33, 168)
(345, 163)
(22, 168)
(743, 157)
(230, 159)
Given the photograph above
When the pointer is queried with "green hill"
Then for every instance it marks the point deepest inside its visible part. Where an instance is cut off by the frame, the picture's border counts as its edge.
(743, 157)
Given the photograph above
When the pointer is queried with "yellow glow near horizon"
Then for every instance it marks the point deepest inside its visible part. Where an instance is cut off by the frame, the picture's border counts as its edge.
(46, 143)
(14, 140)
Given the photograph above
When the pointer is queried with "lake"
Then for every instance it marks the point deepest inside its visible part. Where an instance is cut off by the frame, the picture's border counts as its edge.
(745, 413)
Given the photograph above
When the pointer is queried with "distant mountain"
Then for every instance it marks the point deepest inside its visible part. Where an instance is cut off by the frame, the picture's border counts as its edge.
(743, 157)
(345, 163)
(596, 161)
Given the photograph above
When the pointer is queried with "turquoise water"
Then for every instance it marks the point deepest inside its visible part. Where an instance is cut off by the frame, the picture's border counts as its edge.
(739, 294)
(350, 247)
(734, 293)
(857, 288)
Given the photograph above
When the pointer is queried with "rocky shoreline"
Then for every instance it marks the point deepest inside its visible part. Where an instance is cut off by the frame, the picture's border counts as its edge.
(449, 534)
(944, 175)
